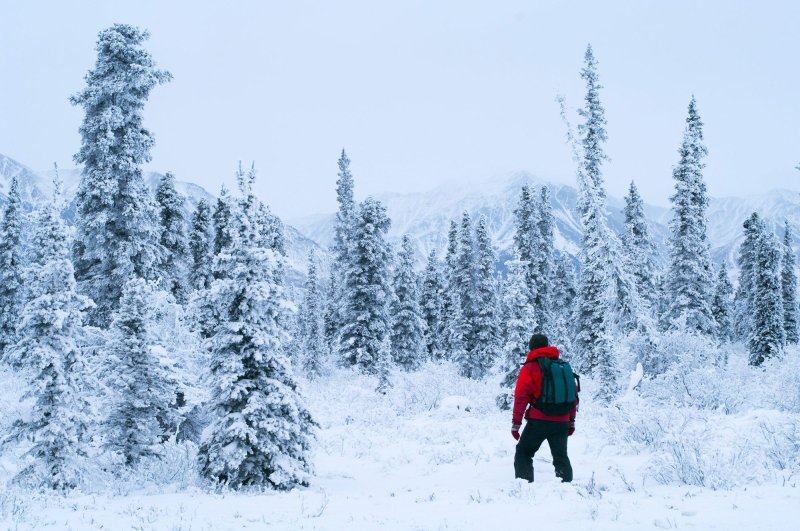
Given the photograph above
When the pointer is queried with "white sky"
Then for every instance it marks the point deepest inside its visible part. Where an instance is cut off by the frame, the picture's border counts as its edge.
(419, 92)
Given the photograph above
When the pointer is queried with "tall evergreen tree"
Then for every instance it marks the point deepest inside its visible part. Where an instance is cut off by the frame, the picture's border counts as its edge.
(592, 131)
(260, 434)
(173, 238)
(143, 389)
(768, 336)
(592, 307)
(722, 304)
(525, 230)
(342, 238)
(486, 325)
(201, 240)
(367, 328)
(542, 255)
(450, 302)
(407, 335)
(638, 249)
(222, 222)
(746, 260)
(117, 234)
(311, 325)
(791, 312)
(432, 304)
(563, 295)
(11, 267)
(518, 321)
(690, 278)
(50, 335)
(463, 324)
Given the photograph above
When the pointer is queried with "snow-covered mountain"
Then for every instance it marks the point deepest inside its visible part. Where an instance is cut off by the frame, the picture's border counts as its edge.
(37, 186)
(426, 216)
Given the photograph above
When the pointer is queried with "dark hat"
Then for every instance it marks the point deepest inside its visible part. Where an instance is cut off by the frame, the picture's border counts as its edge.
(538, 341)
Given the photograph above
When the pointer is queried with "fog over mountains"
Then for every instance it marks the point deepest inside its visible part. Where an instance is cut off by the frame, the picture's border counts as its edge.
(426, 216)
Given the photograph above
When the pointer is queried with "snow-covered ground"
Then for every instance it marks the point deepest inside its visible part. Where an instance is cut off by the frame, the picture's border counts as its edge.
(435, 453)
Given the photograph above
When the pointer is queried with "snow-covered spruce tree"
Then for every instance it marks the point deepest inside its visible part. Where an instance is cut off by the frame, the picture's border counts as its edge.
(542, 255)
(690, 277)
(117, 229)
(342, 238)
(562, 295)
(746, 260)
(637, 247)
(310, 341)
(518, 321)
(768, 336)
(450, 301)
(592, 307)
(222, 221)
(50, 334)
(174, 265)
(432, 303)
(592, 131)
(142, 408)
(486, 323)
(524, 232)
(201, 240)
(791, 312)
(272, 230)
(11, 266)
(408, 341)
(463, 325)
(722, 305)
(261, 431)
(367, 323)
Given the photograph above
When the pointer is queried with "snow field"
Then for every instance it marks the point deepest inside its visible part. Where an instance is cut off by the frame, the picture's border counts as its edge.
(435, 453)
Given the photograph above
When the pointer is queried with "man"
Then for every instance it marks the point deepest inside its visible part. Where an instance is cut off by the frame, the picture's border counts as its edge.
(539, 427)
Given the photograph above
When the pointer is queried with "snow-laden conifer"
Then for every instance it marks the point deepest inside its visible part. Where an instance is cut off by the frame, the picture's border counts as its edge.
(49, 346)
(722, 304)
(117, 228)
(312, 352)
(524, 233)
(432, 304)
(690, 277)
(768, 336)
(637, 246)
(367, 323)
(408, 341)
(519, 321)
(791, 312)
(593, 307)
(11, 267)
(450, 303)
(592, 131)
(746, 260)
(175, 263)
(486, 325)
(142, 384)
(463, 324)
(261, 431)
(342, 238)
(542, 255)
(222, 222)
(563, 293)
(201, 240)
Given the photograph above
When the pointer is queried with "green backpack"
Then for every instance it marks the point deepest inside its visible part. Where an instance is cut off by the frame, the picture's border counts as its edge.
(560, 387)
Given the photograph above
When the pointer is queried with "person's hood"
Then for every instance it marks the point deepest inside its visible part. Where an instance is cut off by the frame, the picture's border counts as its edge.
(543, 352)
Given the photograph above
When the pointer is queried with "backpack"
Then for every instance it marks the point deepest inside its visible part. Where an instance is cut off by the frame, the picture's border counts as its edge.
(560, 387)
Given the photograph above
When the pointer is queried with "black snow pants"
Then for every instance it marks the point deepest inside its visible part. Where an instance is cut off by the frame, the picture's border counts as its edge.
(532, 437)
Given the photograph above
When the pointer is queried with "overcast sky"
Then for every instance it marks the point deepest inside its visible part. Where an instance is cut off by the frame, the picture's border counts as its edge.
(419, 92)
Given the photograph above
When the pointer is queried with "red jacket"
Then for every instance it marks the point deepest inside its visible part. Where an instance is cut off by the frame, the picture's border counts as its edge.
(529, 387)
